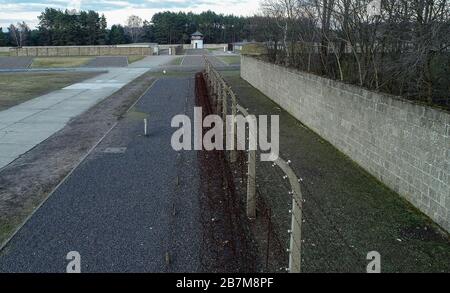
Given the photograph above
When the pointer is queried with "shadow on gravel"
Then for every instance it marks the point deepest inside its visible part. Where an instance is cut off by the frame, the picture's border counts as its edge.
(226, 234)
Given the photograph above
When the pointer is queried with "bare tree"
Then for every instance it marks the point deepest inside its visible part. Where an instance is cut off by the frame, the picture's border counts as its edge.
(285, 12)
(19, 33)
(134, 27)
(398, 46)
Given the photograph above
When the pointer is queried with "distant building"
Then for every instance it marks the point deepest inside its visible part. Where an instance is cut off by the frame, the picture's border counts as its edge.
(197, 40)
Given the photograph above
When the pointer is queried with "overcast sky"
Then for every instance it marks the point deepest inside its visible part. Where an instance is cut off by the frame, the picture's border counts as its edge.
(116, 11)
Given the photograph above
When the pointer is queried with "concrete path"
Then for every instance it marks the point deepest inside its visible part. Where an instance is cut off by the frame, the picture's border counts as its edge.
(132, 206)
(24, 126)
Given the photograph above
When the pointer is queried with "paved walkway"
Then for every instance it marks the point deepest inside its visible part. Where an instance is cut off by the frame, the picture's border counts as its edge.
(28, 124)
(24, 126)
(132, 206)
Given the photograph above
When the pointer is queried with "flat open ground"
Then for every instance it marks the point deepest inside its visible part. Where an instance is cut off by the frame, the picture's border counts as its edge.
(17, 88)
(177, 61)
(59, 62)
(134, 204)
(15, 62)
(83, 61)
(108, 61)
(135, 58)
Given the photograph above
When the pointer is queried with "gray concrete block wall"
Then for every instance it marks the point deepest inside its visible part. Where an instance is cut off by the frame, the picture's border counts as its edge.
(80, 51)
(404, 145)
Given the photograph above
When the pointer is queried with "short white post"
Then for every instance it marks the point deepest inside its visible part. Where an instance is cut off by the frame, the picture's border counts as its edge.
(145, 127)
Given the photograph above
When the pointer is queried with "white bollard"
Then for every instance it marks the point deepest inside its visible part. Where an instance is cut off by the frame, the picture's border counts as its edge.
(145, 127)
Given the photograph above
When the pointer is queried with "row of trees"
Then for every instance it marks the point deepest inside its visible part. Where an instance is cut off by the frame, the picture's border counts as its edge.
(397, 46)
(170, 27)
(58, 27)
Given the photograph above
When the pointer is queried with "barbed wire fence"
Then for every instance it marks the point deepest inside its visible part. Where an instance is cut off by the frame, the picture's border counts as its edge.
(246, 172)
(313, 239)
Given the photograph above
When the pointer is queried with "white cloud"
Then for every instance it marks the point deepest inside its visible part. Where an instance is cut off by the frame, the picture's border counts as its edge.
(117, 11)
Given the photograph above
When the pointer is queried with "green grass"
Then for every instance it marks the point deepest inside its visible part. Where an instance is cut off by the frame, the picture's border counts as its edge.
(4, 54)
(59, 62)
(20, 87)
(177, 61)
(134, 58)
(230, 60)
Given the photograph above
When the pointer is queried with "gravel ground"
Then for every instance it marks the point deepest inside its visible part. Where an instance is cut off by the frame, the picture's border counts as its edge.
(122, 212)
(108, 61)
(193, 61)
(134, 204)
(26, 182)
(15, 62)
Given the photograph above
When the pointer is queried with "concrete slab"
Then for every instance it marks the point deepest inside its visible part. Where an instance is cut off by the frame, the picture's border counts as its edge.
(13, 150)
(40, 103)
(27, 138)
(51, 116)
(96, 85)
(30, 123)
(32, 126)
(13, 115)
(4, 161)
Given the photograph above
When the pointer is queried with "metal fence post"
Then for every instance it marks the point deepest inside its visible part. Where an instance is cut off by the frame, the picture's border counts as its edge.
(224, 101)
(296, 218)
(233, 155)
(295, 256)
(218, 95)
(220, 90)
(251, 185)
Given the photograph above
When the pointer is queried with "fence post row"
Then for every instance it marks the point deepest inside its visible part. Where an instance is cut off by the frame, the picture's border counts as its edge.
(233, 155)
(216, 80)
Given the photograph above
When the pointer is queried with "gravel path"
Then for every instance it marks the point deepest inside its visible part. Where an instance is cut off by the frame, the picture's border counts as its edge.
(108, 61)
(15, 62)
(124, 210)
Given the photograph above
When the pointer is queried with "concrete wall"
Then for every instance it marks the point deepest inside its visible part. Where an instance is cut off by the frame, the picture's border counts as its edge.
(404, 145)
(189, 46)
(81, 51)
(214, 46)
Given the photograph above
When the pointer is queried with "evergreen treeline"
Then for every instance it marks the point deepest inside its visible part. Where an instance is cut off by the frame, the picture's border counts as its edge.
(58, 28)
